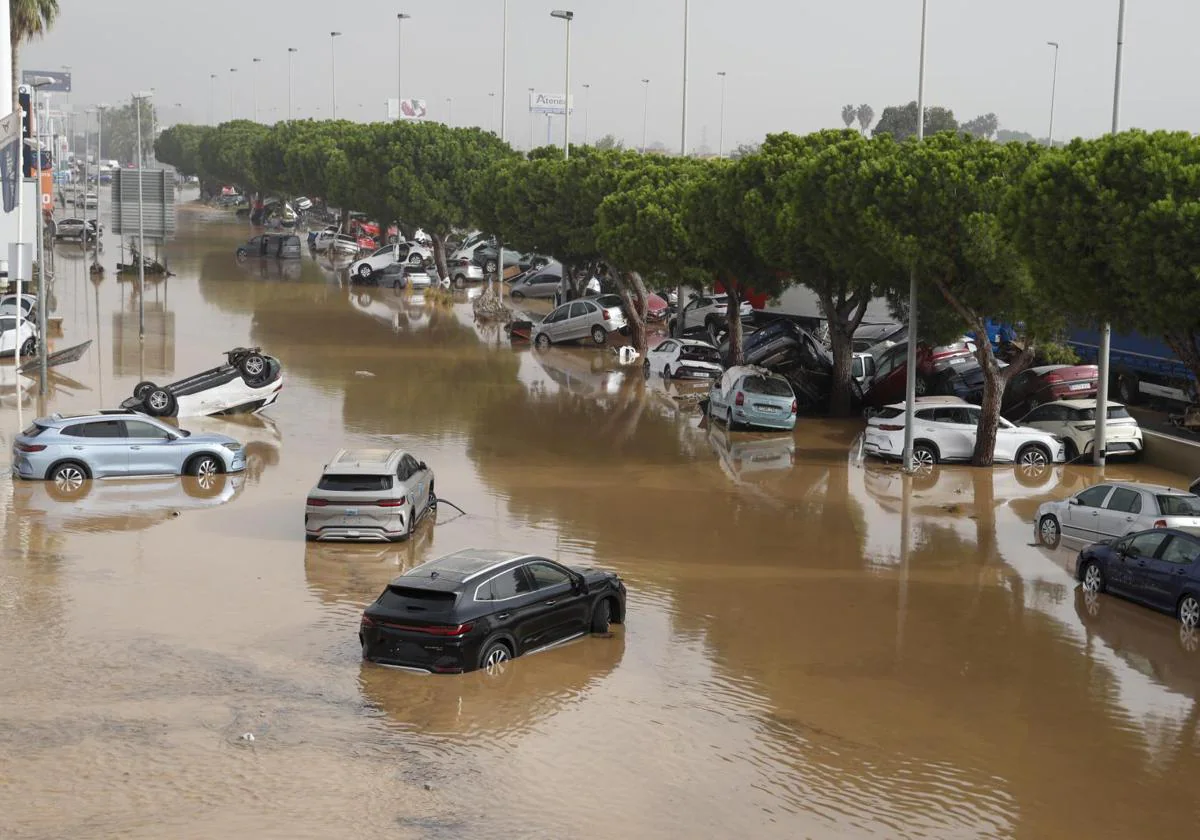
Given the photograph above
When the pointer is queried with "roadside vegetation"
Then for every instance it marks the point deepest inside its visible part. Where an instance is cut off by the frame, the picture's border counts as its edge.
(1014, 233)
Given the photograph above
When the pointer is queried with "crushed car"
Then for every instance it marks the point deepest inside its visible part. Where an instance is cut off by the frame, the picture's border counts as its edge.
(248, 382)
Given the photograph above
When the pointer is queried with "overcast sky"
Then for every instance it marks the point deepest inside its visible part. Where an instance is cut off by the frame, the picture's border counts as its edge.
(791, 64)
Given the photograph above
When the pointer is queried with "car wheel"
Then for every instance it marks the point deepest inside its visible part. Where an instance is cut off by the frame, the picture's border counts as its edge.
(1033, 458)
(241, 253)
(141, 389)
(599, 335)
(517, 294)
(924, 456)
(542, 341)
(729, 424)
(1049, 534)
(646, 368)
(667, 372)
(1127, 387)
(537, 263)
(29, 347)
(922, 388)
(160, 403)
(495, 658)
(459, 281)
(1093, 578)
(601, 617)
(364, 271)
(67, 480)
(414, 258)
(489, 267)
(206, 469)
(1071, 450)
(1189, 611)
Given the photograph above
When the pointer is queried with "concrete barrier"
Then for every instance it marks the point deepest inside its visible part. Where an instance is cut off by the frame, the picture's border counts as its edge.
(1171, 453)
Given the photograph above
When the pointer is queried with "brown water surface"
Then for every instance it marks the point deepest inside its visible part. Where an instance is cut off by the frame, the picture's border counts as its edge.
(813, 648)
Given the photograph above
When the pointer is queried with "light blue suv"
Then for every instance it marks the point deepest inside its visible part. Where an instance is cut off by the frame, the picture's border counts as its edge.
(70, 449)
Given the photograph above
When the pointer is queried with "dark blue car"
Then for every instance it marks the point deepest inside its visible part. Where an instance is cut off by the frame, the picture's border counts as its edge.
(1159, 568)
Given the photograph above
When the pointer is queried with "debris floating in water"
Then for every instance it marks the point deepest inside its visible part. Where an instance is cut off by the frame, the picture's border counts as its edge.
(364, 373)
(247, 736)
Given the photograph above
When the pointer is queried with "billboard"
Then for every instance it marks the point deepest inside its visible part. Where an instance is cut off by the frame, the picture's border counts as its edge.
(548, 103)
(408, 109)
(60, 80)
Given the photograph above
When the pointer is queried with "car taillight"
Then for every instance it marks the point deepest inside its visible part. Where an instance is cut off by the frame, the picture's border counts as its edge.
(1160, 523)
(367, 622)
(607, 317)
(311, 502)
(740, 399)
(1085, 427)
(30, 447)
(390, 503)
(432, 630)
(793, 406)
(891, 428)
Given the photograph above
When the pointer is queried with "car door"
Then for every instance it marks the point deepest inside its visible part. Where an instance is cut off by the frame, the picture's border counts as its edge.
(515, 606)
(1014, 396)
(152, 450)
(579, 324)
(560, 610)
(101, 445)
(889, 383)
(662, 355)
(1081, 517)
(1127, 572)
(954, 432)
(553, 324)
(417, 481)
(1162, 578)
(545, 284)
(1119, 515)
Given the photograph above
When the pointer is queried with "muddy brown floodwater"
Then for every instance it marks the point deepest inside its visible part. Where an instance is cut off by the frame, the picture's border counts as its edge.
(812, 650)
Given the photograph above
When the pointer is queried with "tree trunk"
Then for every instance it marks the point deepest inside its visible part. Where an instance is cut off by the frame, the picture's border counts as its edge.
(994, 382)
(633, 294)
(733, 318)
(843, 320)
(439, 255)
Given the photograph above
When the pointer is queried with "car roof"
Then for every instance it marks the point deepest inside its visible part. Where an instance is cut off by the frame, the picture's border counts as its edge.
(694, 342)
(932, 400)
(464, 565)
(1156, 489)
(1084, 403)
(363, 461)
(60, 418)
(1046, 369)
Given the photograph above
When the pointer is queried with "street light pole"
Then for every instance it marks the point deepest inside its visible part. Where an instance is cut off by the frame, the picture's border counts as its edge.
(1100, 447)
(492, 110)
(683, 121)
(39, 218)
(1053, 91)
(449, 112)
(400, 18)
(531, 119)
(256, 61)
(504, 76)
(910, 381)
(333, 73)
(645, 111)
(99, 155)
(138, 99)
(721, 130)
(212, 99)
(587, 99)
(291, 81)
(232, 88)
(568, 17)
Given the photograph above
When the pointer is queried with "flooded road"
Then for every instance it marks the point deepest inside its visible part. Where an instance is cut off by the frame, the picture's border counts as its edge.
(812, 648)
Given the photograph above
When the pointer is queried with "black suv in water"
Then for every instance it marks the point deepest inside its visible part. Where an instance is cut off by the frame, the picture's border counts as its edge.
(478, 608)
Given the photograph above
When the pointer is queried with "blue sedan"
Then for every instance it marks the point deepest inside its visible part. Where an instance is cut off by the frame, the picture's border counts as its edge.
(1159, 568)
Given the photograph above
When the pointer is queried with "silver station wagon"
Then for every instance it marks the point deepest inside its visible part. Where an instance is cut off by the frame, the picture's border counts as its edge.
(370, 495)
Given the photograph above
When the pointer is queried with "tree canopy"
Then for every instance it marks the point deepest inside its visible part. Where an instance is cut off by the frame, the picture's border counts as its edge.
(900, 121)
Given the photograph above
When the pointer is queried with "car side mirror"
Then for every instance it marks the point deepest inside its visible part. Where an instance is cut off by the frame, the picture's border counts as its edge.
(581, 585)
(422, 466)
(1073, 501)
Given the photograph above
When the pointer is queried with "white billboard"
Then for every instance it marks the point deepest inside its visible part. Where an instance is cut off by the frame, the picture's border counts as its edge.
(548, 103)
(409, 109)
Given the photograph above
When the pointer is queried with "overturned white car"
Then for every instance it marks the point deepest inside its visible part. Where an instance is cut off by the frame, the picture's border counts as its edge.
(248, 382)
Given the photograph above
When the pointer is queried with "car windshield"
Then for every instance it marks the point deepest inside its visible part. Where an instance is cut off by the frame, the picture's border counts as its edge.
(355, 483)
(1180, 505)
(772, 386)
(889, 413)
(696, 353)
(1115, 412)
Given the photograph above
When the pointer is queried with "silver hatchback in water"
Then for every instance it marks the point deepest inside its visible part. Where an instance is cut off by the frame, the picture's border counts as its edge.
(373, 495)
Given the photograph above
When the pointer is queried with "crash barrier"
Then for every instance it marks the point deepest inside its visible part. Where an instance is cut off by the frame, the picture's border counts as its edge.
(1171, 453)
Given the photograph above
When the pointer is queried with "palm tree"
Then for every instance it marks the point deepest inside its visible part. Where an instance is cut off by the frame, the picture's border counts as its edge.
(849, 114)
(866, 114)
(28, 19)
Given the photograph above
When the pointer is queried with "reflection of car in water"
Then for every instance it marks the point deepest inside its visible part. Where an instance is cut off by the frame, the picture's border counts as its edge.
(249, 381)
(122, 504)
(1159, 568)
(479, 608)
(577, 372)
(258, 434)
(742, 454)
(354, 573)
(398, 311)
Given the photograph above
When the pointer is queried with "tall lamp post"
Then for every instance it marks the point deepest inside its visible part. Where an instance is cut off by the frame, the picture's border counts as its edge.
(910, 382)
(1053, 91)
(562, 14)
(721, 129)
(99, 156)
(256, 61)
(449, 112)
(291, 81)
(138, 99)
(504, 74)
(40, 82)
(400, 18)
(212, 98)
(232, 88)
(683, 121)
(587, 96)
(645, 111)
(492, 109)
(531, 119)
(1100, 448)
(333, 36)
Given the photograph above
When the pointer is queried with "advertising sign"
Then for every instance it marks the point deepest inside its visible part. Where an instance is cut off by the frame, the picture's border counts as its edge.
(48, 190)
(549, 103)
(60, 80)
(407, 109)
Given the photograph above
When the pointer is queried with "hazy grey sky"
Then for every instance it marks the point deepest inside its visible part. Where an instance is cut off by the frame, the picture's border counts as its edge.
(791, 64)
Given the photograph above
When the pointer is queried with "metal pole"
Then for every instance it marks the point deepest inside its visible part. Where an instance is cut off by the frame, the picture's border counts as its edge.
(645, 111)
(504, 74)
(141, 256)
(232, 112)
(1100, 446)
(1053, 91)
(910, 383)
(449, 112)
(531, 121)
(333, 72)
(587, 101)
(721, 130)
(291, 81)
(567, 100)
(19, 268)
(212, 99)
(683, 122)
(99, 152)
(256, 61)
(40, 221)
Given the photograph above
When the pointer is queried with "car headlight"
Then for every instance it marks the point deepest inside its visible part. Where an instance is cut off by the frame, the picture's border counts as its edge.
(232, 447)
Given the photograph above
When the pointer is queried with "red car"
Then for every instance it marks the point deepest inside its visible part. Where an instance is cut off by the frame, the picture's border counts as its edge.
(656, 308)
(1029, 389)
(891, 370)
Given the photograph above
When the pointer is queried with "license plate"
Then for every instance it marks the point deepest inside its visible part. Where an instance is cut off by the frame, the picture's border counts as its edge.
(767, 407)
(1080, 386)
(351, 511)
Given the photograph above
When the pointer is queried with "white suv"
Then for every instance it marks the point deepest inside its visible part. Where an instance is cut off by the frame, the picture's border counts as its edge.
(411, 252)
(708, 311)
(945, 430)
(1075, 422)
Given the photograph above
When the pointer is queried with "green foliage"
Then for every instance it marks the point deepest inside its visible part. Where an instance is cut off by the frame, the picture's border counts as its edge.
(1112, 225)
(985, 126)
(866, 115)
(227, 153)
(609, 142)
(849, 115)
(120, 131)
(179, 146)
(28, 19)
(900, 121)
